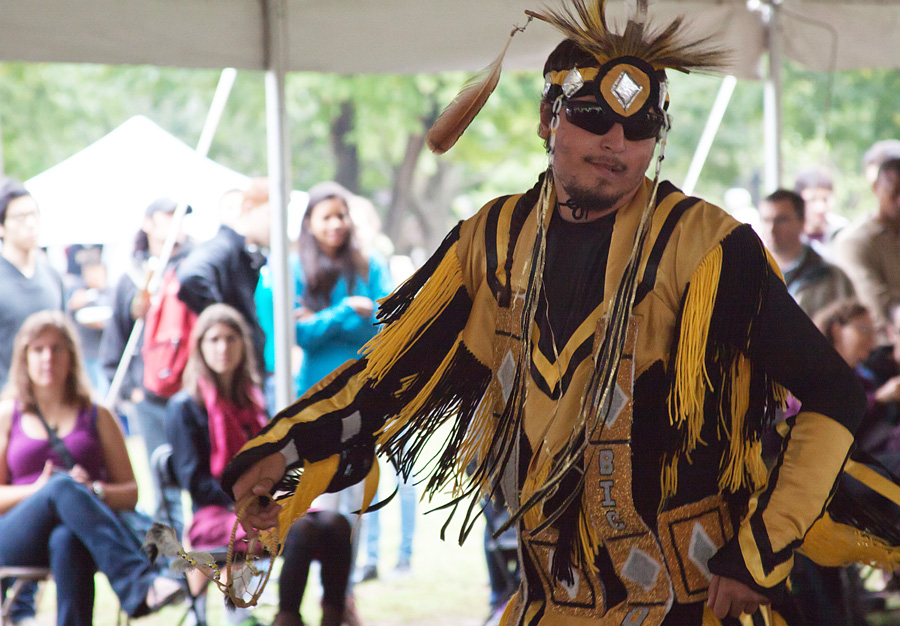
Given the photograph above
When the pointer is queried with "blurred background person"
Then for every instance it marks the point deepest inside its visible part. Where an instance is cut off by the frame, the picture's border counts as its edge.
(130, 303)
(64, 470)
(878, 153)
(337, 286)
(816, 186)
(819, 592)
(226, 268)
(882, 373)
(219, 408)
(869, 249)
(28, 283)
(89, 302)
(811, 281)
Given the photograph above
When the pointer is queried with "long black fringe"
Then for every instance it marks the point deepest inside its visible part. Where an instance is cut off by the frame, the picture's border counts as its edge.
(742, 289)
(856, 504)
(457, 394)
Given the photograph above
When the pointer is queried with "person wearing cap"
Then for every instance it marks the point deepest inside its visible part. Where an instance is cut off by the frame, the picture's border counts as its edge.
(131, 302)
(28, 283)
(604, 349)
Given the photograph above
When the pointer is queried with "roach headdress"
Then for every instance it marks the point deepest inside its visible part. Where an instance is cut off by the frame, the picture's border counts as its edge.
(627, 74)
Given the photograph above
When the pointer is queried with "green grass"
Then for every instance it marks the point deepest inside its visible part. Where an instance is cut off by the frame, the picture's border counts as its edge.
(448, 585)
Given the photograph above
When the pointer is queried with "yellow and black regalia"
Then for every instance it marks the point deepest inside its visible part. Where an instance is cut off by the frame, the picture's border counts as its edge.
(615, 380)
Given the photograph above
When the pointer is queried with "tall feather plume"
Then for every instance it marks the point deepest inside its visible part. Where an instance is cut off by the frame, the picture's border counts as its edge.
(455, 119)
(663, 48)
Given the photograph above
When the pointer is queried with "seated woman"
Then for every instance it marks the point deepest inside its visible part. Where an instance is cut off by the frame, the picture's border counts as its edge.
(848, 325)
(64, 470)
(819, 591)
(220, 407)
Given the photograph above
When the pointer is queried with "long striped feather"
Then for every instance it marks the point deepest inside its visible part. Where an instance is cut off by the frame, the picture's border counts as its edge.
(454, 119)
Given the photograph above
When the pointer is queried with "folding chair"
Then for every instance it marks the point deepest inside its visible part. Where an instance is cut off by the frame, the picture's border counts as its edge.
(161, 466)
(21, 575)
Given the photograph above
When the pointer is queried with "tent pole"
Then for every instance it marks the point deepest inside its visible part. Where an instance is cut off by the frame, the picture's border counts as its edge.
(279, 194)
(772, 99)
(223, 90)
(1, 145)
(726, 89)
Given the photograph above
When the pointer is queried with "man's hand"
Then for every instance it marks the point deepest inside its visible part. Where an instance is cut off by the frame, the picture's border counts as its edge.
(728, 597)
(258, 480)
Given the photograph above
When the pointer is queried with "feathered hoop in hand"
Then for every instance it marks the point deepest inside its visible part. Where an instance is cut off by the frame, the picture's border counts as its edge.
(161, 540)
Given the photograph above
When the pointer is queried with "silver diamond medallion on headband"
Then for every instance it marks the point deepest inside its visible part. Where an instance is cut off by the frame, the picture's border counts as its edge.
(573, 82)
(625, 89)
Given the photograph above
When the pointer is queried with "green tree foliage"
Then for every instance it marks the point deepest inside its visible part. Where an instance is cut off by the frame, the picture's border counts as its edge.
(50, 111)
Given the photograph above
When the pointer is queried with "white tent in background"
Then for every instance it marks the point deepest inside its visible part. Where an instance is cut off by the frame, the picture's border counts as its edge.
(410, 36)
(99, 194)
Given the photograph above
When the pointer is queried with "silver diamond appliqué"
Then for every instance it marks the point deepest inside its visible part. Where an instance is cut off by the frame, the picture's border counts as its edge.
(506, 374)
(616, 402)
(625, 89)
(573, 82)
(641, 568)
(701, 550)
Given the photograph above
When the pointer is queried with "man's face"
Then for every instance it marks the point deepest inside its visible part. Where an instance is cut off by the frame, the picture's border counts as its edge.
(819, 202)
(599, 172)
(887, 191)
(22, 225)
(780, 228)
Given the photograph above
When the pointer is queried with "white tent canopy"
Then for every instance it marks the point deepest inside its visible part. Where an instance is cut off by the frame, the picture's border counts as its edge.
(114, 179)
(356, 36)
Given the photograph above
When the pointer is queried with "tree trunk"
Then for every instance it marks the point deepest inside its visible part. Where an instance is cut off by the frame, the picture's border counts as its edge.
(402, 193)
(346, 156)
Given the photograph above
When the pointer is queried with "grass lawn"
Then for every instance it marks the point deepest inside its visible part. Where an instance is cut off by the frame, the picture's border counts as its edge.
(448, 584)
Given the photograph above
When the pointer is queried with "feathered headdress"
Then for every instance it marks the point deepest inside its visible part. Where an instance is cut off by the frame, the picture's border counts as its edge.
(584, 22)
(663, 48)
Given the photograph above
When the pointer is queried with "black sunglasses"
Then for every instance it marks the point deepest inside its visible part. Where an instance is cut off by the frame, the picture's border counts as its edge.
(597, 119)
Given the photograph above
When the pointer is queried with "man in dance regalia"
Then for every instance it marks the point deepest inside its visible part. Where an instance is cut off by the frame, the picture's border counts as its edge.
(606, 350)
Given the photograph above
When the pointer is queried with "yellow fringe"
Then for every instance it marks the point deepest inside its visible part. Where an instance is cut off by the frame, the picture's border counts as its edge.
(588, 541)
(533, 481)
(395, 425)
(313, 482)
(743, 463)
(831, 544)
(689, 390)
(385, 349)
(477, 443)
(668, 479)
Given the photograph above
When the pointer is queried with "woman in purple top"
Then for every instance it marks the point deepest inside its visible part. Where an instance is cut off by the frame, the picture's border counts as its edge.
(52, 515)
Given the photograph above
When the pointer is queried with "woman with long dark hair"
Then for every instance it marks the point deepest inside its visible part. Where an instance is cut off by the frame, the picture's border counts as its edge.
(336, 284)
(64, 472)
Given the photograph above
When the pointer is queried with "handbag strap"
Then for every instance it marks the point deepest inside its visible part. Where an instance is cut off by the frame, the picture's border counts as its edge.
(56, 443)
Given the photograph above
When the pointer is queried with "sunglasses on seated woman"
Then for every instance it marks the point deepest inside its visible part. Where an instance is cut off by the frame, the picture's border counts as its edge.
(596, 118)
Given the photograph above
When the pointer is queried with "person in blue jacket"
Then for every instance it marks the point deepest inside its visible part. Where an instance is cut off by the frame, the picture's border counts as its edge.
(336, 284)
